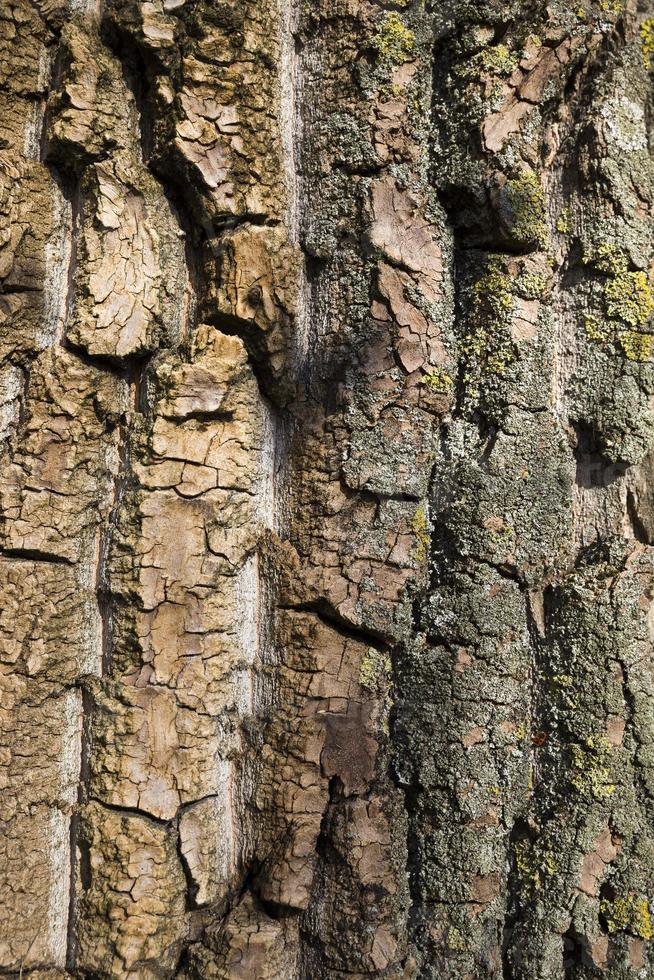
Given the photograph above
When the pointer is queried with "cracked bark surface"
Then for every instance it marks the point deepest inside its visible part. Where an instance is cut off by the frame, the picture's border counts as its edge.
(326, 496)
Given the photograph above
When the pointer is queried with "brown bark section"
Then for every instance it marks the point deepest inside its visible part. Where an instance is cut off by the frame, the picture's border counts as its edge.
(325, 519)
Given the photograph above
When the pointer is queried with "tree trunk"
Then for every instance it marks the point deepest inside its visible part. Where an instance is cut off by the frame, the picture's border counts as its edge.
(327, 489)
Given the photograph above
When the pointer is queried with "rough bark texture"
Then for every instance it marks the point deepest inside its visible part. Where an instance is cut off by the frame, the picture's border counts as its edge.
(327, 489)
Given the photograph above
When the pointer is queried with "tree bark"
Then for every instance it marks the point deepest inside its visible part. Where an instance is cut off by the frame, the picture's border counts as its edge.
(327, 489)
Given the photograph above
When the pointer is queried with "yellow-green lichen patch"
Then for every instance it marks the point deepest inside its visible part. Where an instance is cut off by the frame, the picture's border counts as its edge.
(563, 690)
(647, 40)
(487, 345)
(420, 528)
(394, 42)
(609, 258)
(628, 914)
(562, 680)
(612, 6)
(533, 40)
(498, 60)
(527, 201)
(636, 346)
(597, 330)
(628, 301)
(502, 536)
(375, 670)
(438, 380)
(564, 222)
(591, 773)
(520, 733)
(534, 864)
(455, 940)
(628, 297)
(531, 285)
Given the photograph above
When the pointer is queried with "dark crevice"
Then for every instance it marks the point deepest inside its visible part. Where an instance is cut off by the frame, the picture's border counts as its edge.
(638, 530)
(131, 811)
(205, 417)
(276, 910)
(538, 667)
(80, 866)
(104, 600)
(576, 954)
(33, 554)
(37, 970)
(104, 595)
(377, 497)
(594, 469)
(117, 367)
(136, 375)
(326, 613)
(192, 887)
(182, 963)
(521, 831)
(311, 946)
(76, 217)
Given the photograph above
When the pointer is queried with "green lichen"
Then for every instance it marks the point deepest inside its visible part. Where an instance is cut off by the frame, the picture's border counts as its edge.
(352, 140)
(527, 201)
(394, 42)
(636, 346)
(628, 914)
(534, 863)
(647, 40)
(376, 670)
(535, 40)
(420, 528)
(564, 222)
(628, 297)
(608, 258)
(455, 940)
(438, 380)
(590, 768)
(564, 692)
(597, 330)
(497, 60)
(531, 285)
(628, 301)
(521, 732)
(562, 680)
(487, 345)
(503, 537)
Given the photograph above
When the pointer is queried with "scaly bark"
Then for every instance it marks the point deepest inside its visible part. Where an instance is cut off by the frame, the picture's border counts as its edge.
(326, 499)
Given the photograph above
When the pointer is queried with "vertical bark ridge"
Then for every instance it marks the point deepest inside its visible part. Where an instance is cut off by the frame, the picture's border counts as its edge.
(325, 517)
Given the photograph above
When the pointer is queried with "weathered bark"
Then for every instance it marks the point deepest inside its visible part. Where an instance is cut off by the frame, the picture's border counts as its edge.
(327, 489)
